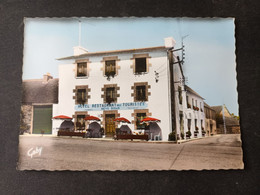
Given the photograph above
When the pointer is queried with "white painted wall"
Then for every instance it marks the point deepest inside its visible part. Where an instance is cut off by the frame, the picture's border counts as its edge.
(189, 113)
(158, 102)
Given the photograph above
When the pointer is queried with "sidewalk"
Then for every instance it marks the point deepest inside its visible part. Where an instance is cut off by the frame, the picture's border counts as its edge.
(110, 139)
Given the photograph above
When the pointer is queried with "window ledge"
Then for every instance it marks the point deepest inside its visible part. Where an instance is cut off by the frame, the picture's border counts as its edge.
(140, 73)
(83, 77)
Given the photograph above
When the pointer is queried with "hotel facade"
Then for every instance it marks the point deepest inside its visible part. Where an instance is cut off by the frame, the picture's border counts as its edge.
(132, 83)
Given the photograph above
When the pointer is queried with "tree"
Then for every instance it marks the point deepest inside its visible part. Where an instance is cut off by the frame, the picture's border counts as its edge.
(23, 126)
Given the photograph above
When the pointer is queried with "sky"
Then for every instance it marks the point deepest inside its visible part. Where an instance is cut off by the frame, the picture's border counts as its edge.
(209, 47)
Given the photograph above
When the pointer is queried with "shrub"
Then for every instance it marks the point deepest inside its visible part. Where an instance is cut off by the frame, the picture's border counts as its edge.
(172, 136)
(188, 133)
(182, 135)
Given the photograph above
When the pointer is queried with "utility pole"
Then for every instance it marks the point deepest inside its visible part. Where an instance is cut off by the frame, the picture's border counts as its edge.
(224, 121)
(173, 115)
(79, 32)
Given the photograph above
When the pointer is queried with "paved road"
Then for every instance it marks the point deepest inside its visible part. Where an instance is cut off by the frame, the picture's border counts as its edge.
(64, 153)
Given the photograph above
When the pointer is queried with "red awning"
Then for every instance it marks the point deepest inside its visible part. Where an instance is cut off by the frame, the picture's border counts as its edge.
(63, 117)
(91, 118)
(122, 119)
(150, 119)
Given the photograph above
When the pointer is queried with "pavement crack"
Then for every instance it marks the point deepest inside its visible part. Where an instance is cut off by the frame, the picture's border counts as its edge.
(176, 157)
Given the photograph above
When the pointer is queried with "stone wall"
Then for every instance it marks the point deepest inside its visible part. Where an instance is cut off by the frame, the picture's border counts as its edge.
(234, 129)
(26, 119)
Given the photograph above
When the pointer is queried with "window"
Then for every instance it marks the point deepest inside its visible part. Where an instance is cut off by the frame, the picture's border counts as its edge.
(140, 90)
(140, 65)
(189, 124)
(141, 93)
(82, 69)
(196, 125)
(80, 123)
(192, 101)
(81, 96)
(110, 95)
(188, 104)
(180, 94)
(139, 118)
(110, 68)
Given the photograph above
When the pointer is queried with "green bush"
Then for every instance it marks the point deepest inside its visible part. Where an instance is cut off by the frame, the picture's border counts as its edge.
(172, 136)
(188, 133)
(182, 135)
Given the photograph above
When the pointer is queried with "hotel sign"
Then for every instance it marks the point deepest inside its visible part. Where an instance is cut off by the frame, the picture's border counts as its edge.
(112, 106)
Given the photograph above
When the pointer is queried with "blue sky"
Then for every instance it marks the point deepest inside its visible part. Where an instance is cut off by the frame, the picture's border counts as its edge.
(209, 47)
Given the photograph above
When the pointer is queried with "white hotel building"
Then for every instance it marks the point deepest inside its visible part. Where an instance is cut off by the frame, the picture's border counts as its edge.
(123, 83)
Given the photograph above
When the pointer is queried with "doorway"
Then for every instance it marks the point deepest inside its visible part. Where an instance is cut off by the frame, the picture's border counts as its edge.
(42, 119)
(110, 126)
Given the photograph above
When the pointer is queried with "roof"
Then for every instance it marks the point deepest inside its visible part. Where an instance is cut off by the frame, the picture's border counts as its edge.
(218, 109)
(229, 120)
(114, 51)
(192, 91)
(208, 106)
(40, 91)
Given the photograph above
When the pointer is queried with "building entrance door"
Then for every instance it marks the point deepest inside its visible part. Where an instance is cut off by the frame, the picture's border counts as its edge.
(42, 119)
(110, 126)
(211, 126)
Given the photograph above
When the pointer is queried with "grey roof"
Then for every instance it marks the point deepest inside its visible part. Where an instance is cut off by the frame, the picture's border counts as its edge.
(192, 91)
(38, 91)
(114, 51)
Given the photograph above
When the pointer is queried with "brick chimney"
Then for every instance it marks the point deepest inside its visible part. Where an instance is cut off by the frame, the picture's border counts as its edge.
(169, 42)
(47, 77)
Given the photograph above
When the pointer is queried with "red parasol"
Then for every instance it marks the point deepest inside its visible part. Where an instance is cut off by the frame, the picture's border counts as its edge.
(91, 118)
(122, 119)
(62, 117)
(150, 119)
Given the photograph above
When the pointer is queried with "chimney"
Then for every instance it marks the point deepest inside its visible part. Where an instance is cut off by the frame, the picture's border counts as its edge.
(169, 42)
(47, 77)
(78, 50)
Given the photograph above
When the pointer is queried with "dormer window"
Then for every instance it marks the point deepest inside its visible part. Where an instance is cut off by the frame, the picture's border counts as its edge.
(140, 65)
(82, 69)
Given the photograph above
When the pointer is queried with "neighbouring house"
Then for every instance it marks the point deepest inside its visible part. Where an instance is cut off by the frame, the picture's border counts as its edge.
(190, 117)
(230, 122)
(38, 97)
(192, 113)
(210, 118)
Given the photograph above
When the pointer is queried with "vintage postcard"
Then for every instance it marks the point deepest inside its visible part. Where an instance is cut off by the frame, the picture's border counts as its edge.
(129, 94)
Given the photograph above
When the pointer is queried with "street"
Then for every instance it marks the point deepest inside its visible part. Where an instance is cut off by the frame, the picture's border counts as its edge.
(65, 153)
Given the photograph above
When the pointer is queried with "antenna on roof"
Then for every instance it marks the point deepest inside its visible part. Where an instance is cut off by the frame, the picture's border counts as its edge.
(182, 46)
(79, 32)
